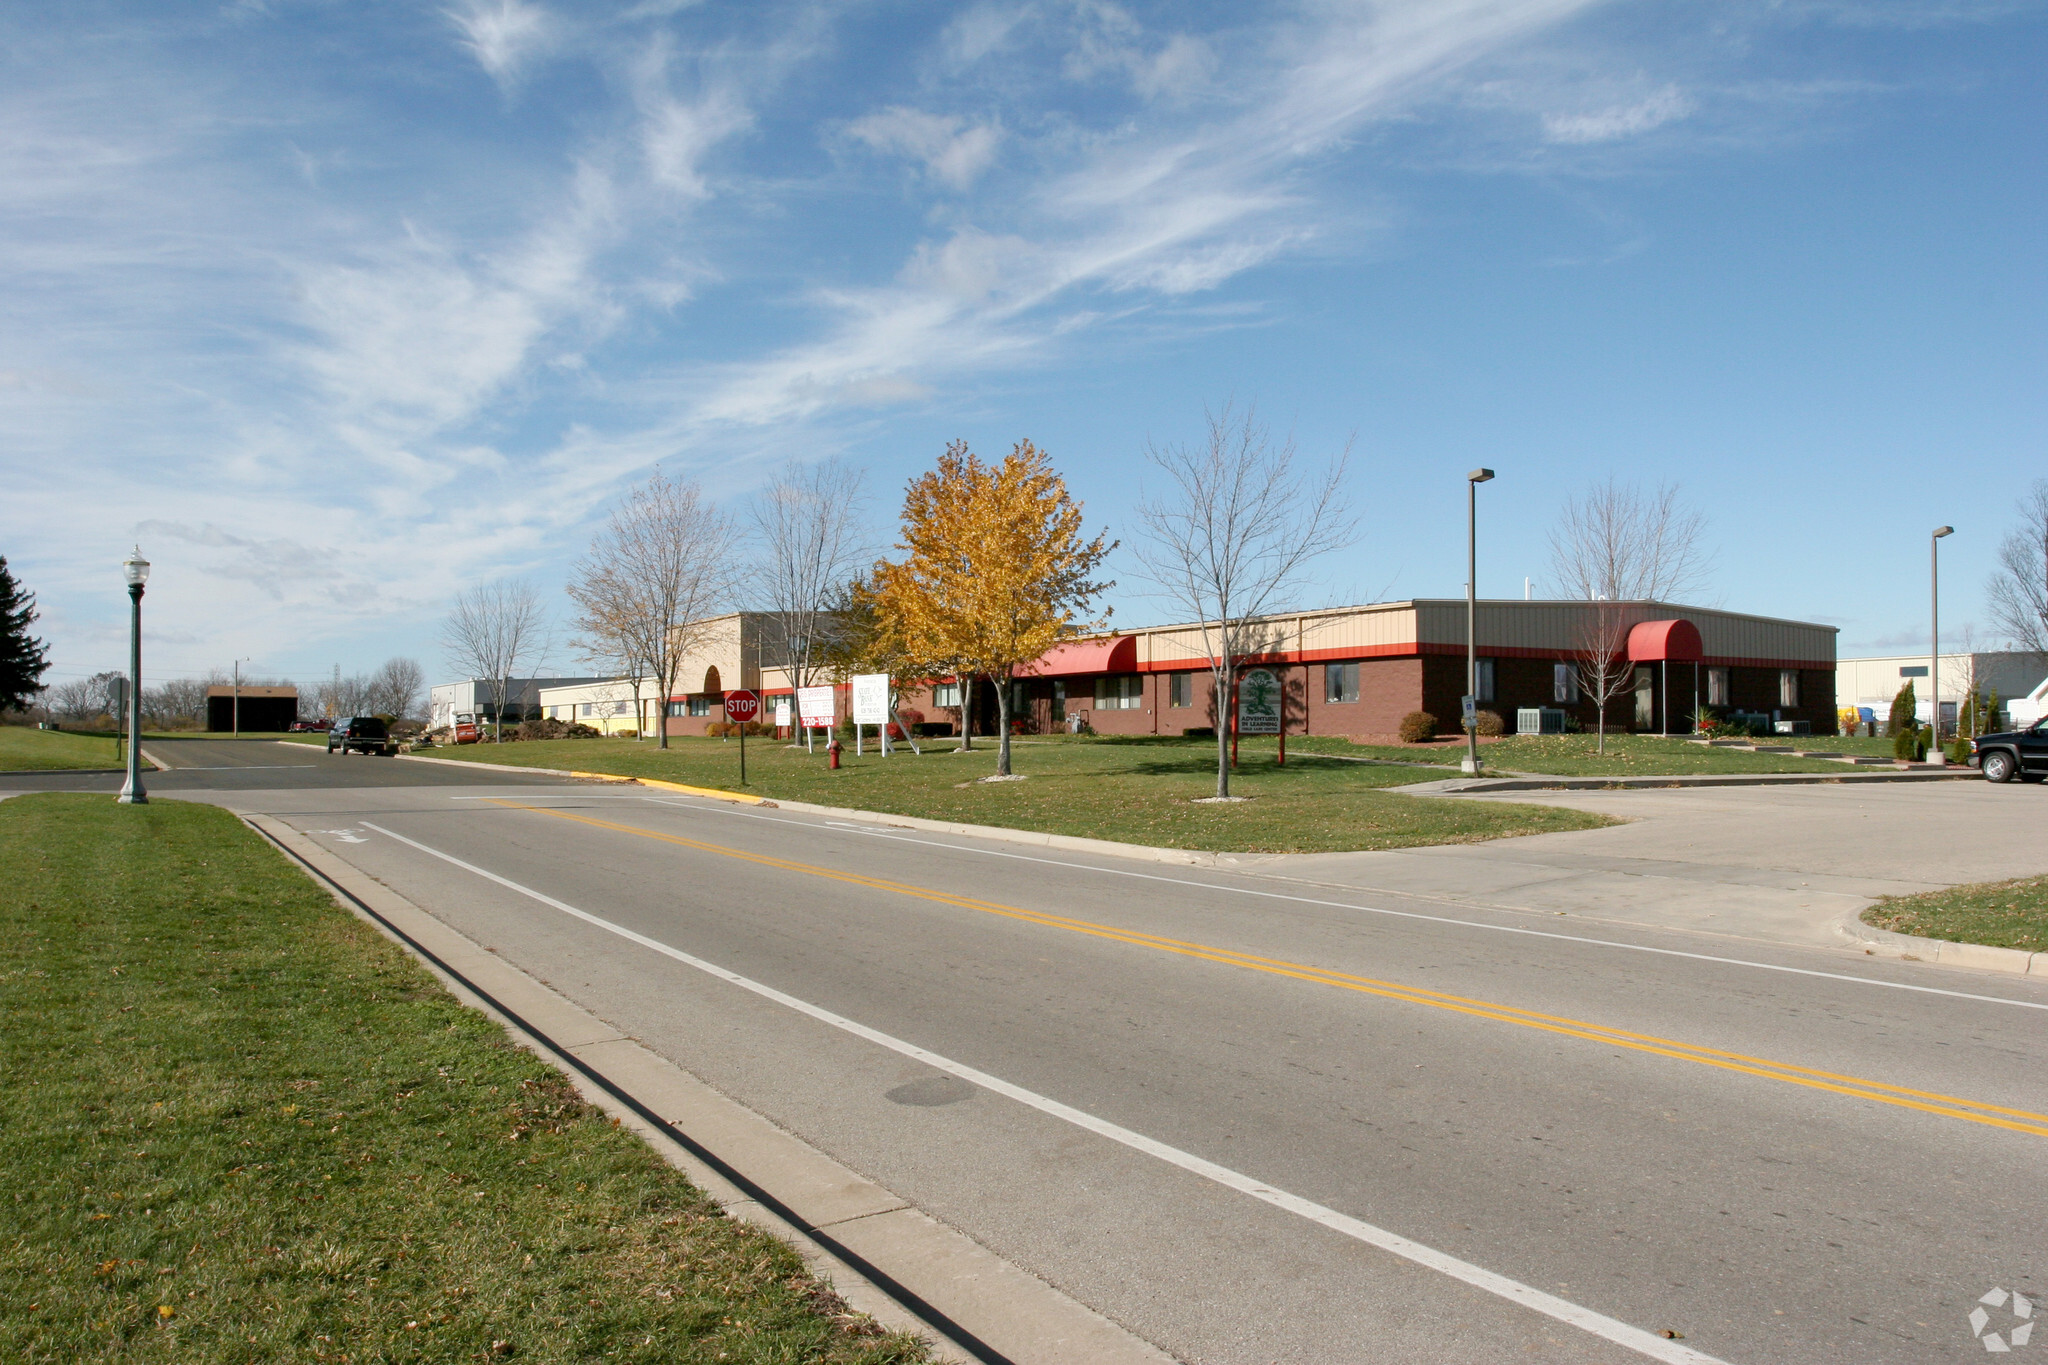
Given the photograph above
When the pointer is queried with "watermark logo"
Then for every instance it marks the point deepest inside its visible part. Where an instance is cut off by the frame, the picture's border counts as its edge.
(2012, 1325)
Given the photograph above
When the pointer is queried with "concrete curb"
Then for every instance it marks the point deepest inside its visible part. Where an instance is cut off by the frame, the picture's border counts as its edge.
(1071, 843)
(886, 1259)
(1849, 926)
(1480, 785)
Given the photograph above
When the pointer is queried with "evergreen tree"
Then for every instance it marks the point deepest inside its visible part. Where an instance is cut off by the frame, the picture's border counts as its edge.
(22, 657)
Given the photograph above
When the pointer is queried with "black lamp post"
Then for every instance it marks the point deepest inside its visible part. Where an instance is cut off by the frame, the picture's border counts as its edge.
(136, 570)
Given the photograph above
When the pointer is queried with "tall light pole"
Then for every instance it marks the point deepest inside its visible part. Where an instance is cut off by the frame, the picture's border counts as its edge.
(1935, 755)
(1471, 699)
(235, 710)
(136, 569)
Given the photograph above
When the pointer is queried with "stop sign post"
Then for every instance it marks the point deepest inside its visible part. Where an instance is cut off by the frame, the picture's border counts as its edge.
(740, 708)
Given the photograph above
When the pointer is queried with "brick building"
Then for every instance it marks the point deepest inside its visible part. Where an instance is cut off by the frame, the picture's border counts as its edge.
(1359, 670)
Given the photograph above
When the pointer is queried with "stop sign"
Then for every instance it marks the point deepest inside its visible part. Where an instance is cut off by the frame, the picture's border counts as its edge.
(742, 706)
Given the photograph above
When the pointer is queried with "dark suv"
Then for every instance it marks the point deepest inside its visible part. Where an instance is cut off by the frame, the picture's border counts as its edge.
(359, 734)
(2015, 753)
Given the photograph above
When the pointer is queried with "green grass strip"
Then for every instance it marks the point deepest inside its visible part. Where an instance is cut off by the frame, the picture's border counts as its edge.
(240, 1125)
(23, 749)
(2010, 914)
(1132, 790)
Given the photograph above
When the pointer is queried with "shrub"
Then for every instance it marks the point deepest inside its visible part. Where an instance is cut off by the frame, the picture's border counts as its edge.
(1909, 742)
(718, 729)
(911, 717)
(1901, 718)
(1959, 749)
(1489, 723)
(1418, 727)
(1195, 732)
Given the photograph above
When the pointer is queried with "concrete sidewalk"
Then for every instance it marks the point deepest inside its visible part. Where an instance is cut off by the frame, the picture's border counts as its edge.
(1776, 863)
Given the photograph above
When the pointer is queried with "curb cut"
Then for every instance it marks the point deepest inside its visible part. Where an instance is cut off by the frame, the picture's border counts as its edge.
(887, 1259)
(1849, 925)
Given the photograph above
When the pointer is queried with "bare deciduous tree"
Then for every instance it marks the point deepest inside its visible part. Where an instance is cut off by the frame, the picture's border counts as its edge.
(807, 522)
(1613, 545)
(1619, 543)
(495, 630)
(1601, 643)
(395, 688)
(1228, 538)
(2019, 586)
(662, 565)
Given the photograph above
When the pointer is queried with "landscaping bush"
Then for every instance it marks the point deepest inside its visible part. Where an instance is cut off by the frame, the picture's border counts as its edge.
(1909, 742)
(1901, 719)
(911, 718)
(1959, 749)
(1418, 727)
(1194, 732)
(1489, 723)
(718, 729)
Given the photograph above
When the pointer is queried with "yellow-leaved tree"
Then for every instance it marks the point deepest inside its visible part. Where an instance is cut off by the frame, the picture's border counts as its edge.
(995, 570)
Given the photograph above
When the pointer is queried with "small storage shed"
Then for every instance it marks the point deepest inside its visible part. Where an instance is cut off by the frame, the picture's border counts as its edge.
(264, 709)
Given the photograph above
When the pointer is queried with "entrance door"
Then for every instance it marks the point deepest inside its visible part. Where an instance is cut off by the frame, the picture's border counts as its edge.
(1646, 699)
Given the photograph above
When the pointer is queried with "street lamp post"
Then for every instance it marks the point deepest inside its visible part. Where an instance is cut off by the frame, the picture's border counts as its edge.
(1935, 755)
(136, 570)
(235, 707)
(1471, 699)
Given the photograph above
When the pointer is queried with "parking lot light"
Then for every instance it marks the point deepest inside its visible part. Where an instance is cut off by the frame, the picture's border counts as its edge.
(136, 570)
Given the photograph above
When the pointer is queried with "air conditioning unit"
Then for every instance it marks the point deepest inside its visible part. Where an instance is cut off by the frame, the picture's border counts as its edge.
(1539, 720)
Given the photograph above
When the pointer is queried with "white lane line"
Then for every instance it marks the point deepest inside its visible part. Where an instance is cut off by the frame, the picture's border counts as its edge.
(886, 833)
(1585, 1319)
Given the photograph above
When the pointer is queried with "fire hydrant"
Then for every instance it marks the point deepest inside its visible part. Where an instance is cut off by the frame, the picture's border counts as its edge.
(832, 751)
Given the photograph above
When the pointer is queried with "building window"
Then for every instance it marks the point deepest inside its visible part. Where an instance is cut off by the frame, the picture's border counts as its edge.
(1718, 691)
(1123, 692)
(700, 706)
(1564, 683)
(586, 708)
(1913, 671)
(1340, 682)
(1483, 689)
(1788, 687)
(946, 694)
(678, 708)
(1180, 689)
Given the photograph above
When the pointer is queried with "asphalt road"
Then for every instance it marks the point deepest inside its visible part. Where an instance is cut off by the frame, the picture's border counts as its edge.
(1208, 1104)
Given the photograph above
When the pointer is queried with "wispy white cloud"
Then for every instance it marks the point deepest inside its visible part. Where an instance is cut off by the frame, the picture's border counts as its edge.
(1619, 121)
(953, 150)
(504, 35)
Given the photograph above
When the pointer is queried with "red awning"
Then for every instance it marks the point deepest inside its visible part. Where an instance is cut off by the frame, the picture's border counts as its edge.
(1676, 641)
(1109, 654)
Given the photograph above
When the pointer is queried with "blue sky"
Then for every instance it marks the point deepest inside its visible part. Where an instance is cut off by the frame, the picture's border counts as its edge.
(340, 307)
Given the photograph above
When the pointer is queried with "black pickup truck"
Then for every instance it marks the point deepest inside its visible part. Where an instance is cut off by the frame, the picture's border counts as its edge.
(361, 735)
(2014, 753)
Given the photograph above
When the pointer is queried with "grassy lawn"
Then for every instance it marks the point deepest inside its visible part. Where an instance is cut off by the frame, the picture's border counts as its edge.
(241, 1126)
(1575, 756)
(2000, 914)
(1138, 791)
(25, 749)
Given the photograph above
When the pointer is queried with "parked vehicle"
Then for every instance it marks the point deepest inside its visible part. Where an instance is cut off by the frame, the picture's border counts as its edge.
(308, 727)
(2013, 753)
(360, 735)
(467, 731)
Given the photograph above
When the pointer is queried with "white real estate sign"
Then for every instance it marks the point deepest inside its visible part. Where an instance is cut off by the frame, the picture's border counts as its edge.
(1258, 703)
(870, 698)
(814, 706)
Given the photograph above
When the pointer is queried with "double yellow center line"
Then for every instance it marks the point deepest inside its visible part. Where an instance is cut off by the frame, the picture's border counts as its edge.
(1948, 1106)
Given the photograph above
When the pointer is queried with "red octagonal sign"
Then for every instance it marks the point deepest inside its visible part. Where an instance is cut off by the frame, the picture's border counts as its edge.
(742, 706)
